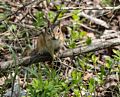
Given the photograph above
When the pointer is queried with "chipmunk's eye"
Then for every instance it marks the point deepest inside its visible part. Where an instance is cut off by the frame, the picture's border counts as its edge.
(58, 31)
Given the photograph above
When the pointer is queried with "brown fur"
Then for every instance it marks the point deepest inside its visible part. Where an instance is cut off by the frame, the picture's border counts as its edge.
(50, 42)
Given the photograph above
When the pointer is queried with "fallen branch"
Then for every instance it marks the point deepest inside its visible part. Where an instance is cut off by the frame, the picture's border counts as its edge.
(97, 44)
(81, 8)
(93, 19)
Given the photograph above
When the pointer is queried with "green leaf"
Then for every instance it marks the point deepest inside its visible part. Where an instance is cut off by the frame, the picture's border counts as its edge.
(75, 17)
(94, 59)
(32, 71)
(102, 69)
(77, 93)
(109, 62)
(91, 84)
(39, 21)
(4, 5)
(82, 34)
(88, 41)
(51, 15)
(75, 35)
(2, 15)
(117, 52)
(76, 76)
(13, 28)
(1, 47)
(81, 63)
(13, 54)
(107, 65)
(72, 45)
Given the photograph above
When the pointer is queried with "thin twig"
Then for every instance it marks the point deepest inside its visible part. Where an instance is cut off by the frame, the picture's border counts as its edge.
(105, 8)
(24, 5)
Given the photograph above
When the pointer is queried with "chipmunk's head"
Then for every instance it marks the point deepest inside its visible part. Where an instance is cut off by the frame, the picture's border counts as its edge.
(57, 38)
(57, 34)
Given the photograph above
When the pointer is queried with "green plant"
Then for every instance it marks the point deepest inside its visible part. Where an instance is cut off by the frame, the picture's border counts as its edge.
(51, 86)
(106, 2)
(117, 55)
(39, 19)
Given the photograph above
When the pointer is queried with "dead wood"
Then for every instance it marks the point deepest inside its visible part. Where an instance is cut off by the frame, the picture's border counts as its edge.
(96, 44)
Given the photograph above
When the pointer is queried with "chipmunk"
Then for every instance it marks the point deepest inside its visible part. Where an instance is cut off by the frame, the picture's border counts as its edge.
(47, 43)
(50, 42)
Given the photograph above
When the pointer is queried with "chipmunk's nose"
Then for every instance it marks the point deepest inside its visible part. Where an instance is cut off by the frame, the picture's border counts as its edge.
(67, 36)
(54, 38)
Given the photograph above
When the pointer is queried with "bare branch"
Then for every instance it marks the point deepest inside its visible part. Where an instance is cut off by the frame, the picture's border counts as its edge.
(97, 44)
